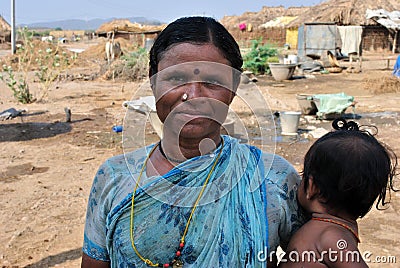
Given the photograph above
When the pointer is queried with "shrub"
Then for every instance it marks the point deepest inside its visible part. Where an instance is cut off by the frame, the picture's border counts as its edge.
(47, 62)
(18, 85)
(133, 66)
(257, 58)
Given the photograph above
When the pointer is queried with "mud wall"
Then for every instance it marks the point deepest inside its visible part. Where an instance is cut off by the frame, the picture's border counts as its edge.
(378, 39)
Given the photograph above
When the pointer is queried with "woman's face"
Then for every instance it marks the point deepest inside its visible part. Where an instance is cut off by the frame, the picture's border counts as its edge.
(193, 90)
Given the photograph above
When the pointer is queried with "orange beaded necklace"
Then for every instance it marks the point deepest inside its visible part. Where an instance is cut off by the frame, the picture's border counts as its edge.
(347, 227)
(176, 262)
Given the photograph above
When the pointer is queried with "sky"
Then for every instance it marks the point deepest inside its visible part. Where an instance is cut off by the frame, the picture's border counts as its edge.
(32, 11)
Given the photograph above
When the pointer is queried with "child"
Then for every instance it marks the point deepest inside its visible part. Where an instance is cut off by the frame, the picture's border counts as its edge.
(345, 171)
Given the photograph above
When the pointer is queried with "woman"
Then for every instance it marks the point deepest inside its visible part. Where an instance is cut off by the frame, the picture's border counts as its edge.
(201, 199)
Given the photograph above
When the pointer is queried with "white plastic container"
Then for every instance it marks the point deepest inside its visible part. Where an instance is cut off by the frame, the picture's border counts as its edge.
(292, 59)
(289, 122)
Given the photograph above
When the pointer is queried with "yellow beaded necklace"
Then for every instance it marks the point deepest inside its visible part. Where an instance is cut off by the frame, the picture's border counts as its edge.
(176, 261)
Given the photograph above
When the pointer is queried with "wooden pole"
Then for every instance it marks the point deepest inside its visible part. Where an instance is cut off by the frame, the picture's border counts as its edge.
(13, 27)
(395, 42)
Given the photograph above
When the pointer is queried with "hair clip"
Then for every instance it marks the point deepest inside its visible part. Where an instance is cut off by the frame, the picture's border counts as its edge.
(342, 124)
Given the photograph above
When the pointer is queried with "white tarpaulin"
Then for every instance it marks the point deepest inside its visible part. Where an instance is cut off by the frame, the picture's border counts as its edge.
(390, 20)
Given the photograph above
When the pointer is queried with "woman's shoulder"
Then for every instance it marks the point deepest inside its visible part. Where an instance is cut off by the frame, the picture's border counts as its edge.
(279, 173)
(127, 160)
(276, 164)
(120, 168)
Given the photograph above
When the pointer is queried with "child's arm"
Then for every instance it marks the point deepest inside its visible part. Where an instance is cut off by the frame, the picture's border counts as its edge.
(296, 254)
(294, 262)
(333, 248)
(341, 250)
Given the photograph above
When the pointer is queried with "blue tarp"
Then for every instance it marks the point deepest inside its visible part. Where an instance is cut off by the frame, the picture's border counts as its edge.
(396, 68)
(316, 39)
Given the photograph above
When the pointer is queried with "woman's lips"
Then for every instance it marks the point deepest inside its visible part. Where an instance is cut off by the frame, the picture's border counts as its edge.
(192, 116)
(197, 113)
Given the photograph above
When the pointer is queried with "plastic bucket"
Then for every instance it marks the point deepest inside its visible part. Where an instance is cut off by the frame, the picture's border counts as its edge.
(292, 59)
(289, 122)
(307, 104)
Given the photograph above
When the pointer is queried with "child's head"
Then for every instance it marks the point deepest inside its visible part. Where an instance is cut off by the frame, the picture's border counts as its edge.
(350, 168)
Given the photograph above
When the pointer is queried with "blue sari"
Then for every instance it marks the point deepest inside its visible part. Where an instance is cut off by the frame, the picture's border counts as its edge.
(229, 227)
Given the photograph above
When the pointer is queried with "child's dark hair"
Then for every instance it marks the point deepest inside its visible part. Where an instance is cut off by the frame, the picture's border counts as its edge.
(351, 169)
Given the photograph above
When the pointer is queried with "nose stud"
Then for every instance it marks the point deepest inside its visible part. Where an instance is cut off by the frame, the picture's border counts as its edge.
(184, 97)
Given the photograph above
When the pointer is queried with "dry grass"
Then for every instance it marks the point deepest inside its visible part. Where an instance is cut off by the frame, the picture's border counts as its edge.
(264, 15)
(386, 84)
(30, 56)
(98, 52)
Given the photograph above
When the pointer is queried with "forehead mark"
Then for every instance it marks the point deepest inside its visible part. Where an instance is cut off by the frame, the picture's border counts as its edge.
(196, 71)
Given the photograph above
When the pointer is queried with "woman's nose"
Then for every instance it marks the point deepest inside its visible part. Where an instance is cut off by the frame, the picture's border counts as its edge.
(194, 90)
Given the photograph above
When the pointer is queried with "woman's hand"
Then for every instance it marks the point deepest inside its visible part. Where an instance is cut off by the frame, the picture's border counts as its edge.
(88, 262)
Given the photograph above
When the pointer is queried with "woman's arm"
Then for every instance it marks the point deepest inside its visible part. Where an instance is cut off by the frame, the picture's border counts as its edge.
(94, 247)
(88, 262)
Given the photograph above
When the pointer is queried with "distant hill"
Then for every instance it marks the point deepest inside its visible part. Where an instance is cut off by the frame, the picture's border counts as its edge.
(92, 24)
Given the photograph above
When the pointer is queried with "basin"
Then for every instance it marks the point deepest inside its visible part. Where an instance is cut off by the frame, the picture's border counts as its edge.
(281, 71)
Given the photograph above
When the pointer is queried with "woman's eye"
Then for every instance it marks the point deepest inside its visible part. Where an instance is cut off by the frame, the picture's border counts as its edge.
(214, 83)
(176, 79)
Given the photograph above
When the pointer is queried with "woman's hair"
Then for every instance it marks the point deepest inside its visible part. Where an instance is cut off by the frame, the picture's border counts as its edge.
(195, 30)
(351, 169)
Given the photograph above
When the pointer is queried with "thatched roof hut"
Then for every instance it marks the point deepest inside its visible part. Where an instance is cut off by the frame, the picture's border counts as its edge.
(253, 21)
(124, 25)
(143, 35)
(262, 16)
(4, 26)
(344, 12)
(5, 31)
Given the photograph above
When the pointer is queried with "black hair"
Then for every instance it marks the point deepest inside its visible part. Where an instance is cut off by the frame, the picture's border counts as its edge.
(351, 169)
(196, 30)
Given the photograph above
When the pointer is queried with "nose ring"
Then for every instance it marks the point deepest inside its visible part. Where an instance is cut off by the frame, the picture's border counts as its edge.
(184, 97)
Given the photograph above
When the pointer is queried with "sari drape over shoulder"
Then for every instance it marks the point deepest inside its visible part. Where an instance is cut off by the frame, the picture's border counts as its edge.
(229, 227)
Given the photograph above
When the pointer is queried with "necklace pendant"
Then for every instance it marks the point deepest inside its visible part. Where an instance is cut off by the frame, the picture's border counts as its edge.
(178, 263)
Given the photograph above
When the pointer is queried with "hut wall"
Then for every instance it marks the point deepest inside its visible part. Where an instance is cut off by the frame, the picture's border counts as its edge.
(272, 35)
(123, 35)
(378, 39)
(5, 37)
(292, 36)
(140, 38)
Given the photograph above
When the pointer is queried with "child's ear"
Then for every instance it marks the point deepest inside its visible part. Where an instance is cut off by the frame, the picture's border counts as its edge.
(312, 190)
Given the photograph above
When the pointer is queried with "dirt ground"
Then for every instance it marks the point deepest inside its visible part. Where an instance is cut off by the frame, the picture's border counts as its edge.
(47, 165)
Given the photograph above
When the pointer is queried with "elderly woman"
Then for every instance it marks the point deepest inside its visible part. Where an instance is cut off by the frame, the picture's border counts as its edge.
(196, 198)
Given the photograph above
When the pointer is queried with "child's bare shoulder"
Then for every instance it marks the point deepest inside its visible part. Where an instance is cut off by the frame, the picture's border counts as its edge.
(337, 238)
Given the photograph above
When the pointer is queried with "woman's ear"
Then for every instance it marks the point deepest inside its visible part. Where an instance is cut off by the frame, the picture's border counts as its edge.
(233, 94)
(312, 190)
(153, 79)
